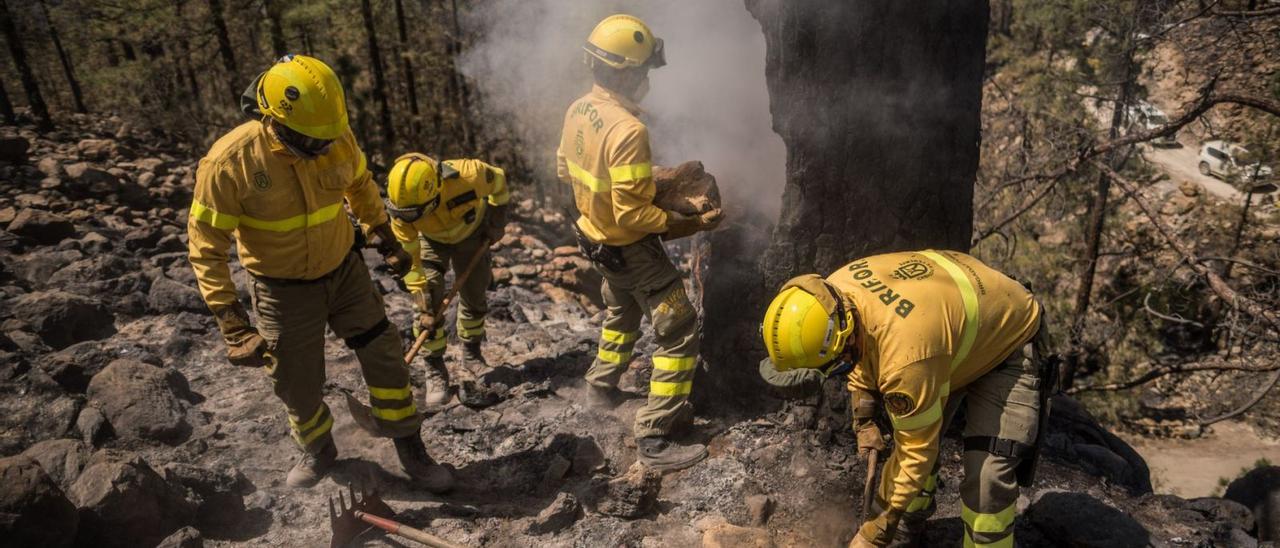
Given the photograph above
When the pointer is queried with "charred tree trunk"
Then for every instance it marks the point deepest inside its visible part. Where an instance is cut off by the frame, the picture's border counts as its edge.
(379, 80)
(224, 50)
(406, 63)
(76, 96)
(6, 107)
(274, 7)
(34, 99)
(879, 105)
(458, 85)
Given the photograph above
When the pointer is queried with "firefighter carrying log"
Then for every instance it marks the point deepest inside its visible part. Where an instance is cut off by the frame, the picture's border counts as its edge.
(444, 213)
(277, 184)
(923, 332)
(604, 154)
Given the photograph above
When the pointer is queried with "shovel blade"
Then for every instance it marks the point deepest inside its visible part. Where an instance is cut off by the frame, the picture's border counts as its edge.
(362, 415)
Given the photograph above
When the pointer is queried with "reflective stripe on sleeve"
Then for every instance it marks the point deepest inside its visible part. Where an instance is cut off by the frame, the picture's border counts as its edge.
(632, 172)
(667, 363)
(920, 420)
(211, 217)
(668, 389)
(970, 298)
(585, 177)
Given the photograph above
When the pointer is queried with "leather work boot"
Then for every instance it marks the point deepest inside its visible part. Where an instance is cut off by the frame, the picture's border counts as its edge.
(312, 467)
(471, 356)
(661, 454)
(439, 391)
(603, 397)
(420, 467)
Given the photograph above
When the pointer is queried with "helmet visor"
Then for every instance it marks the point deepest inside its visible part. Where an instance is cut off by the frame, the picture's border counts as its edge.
(412, 213)
(658, 58)
(305, 146)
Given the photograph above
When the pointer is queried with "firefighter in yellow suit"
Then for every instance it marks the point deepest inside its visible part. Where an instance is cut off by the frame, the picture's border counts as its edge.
(444, 213)
(277, 185)
(604, 154)
(927, 330)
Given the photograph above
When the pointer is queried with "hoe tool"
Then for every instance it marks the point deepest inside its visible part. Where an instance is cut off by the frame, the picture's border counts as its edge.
(870, 486)
(369, 512)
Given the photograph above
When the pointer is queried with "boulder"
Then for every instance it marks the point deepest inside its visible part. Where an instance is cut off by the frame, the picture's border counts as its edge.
(61, 459)
(631, 495)
(41, 227)
(62, 319)
(686, 188)
(168, 296)
(39, 414)
(123, 502)
(1079, 520)
(50, 166)
(1259, 491)
(13, 149)
(143, 401)
(96, 149)
(153, 165)
(92, 426)
(561, 513)
(38, 265)
(33, 510)
(221, 511)
(186, 537)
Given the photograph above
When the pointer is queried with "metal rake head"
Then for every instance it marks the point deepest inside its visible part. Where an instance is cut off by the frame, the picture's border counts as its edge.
(342, 518)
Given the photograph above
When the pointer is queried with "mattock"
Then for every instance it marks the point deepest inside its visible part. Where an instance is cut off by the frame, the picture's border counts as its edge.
(369, 512)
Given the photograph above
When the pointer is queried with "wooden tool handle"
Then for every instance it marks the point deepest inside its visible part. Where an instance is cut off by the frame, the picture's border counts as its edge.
(869, 488)
(444, 304)
(402, 530)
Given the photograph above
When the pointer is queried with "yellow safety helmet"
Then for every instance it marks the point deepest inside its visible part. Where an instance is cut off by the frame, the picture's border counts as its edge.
(807, 324)
(304, 94)
(624, 41)
(414, 185)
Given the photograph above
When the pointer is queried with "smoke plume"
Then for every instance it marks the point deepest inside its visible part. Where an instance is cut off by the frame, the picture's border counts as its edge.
(709, 103)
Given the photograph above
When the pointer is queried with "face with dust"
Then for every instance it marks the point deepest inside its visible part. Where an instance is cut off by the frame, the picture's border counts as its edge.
(709, 103)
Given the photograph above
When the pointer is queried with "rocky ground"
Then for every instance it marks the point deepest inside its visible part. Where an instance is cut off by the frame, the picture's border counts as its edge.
(123, 425)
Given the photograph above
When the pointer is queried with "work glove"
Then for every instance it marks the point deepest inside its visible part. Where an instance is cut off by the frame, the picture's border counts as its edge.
(869, 439)
(496, 223)
(795, 383)
(422, 306)
(245, 347)
(393, 254)
(860, 541)
(680, 225)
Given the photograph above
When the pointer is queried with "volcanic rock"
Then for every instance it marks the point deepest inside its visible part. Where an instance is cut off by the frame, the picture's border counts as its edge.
(123, 502)
(1259, 491)
(726, 535)
(186, 537)
(62, 319)
(41, 227)
(13, 149)
(33, 510)
(1077, 519)
(168, 296)
(142, 401)
(561, 513)
(631, 495)
(61, 459)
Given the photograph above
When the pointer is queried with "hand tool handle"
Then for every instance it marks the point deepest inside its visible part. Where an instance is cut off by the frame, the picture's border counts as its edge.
(444, 304)
(402, 530)
(869, 487)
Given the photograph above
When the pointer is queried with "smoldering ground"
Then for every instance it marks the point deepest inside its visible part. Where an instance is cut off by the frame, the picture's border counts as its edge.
(709, 103)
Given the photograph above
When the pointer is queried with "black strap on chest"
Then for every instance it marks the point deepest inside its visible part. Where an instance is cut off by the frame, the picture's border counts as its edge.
(461, 199)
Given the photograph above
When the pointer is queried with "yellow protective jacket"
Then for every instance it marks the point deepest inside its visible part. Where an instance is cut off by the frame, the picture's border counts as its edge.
(463, 202)
(930, 322)
(286, 213)
(604, 154)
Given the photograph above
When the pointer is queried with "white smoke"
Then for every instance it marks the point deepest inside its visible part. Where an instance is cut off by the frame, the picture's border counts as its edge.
(709, 103)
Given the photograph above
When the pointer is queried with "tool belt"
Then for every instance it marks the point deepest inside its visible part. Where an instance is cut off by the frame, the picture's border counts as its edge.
(1047, 385)
(607, 256)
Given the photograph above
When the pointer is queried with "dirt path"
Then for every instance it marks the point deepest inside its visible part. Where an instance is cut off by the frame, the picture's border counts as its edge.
(1194, 467)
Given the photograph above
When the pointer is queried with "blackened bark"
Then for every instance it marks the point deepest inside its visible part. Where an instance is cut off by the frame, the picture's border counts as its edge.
(6, 107)
(224, 50)
(34, 99)
(274, 8)
(379, 80)
(879, 104)
(406, 63)
(76, 96)
(457, 84)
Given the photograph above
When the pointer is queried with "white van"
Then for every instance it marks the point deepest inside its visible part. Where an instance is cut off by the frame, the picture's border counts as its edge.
(1227, 161)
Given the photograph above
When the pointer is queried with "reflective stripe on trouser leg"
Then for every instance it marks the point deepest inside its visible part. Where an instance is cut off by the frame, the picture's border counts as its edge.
(313, 433)
(621, 321)
(436, 344)
(470, 330)
(357, 305)
(675, 326)
(993, 530)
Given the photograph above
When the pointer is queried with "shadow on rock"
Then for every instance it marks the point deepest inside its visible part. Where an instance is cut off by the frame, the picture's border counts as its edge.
(1079, 520)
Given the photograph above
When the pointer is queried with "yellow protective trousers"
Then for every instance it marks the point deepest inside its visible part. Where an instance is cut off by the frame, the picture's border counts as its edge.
(649, 286)
(437, 258)
(292, 316)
